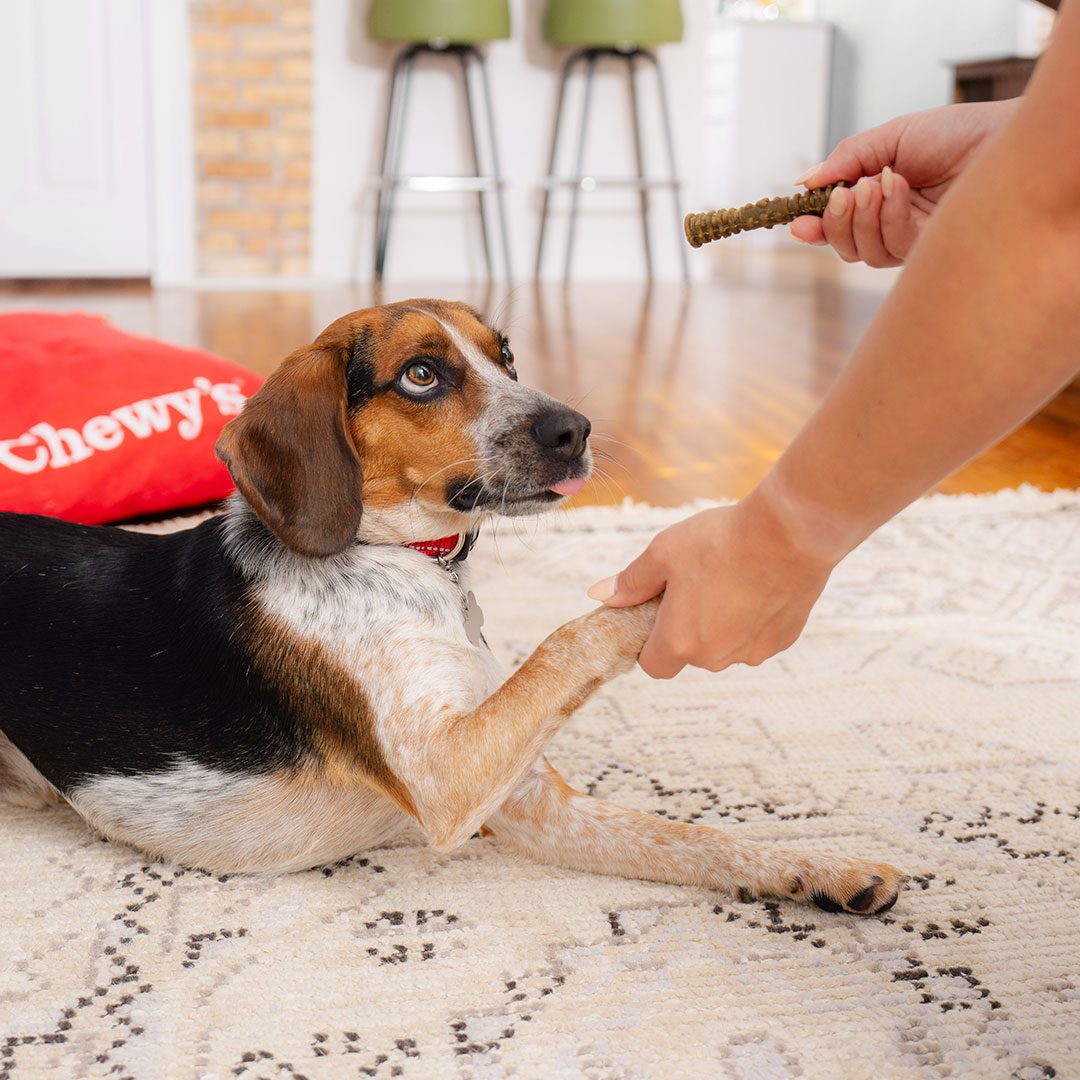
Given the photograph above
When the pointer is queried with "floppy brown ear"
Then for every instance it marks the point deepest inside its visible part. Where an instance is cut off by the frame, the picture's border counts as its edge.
(291, 455)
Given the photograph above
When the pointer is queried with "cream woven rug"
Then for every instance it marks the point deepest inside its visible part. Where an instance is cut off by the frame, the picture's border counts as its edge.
(930, 716)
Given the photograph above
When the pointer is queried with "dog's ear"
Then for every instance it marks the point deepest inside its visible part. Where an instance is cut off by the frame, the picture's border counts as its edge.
(292, 457)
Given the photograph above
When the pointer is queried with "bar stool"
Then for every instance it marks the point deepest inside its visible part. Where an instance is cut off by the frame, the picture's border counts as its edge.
(441, 28)
(620, 30)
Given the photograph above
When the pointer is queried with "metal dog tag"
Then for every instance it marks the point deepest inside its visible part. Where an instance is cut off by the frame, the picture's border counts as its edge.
(474, 619)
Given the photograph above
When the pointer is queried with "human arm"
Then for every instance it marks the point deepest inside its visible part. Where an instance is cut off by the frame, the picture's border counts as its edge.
(982, 328)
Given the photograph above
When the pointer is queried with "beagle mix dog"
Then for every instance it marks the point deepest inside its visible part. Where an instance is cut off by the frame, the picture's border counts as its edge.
(294, 680)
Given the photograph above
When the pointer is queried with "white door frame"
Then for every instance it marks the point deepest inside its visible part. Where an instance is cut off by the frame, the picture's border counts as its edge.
(171, 143)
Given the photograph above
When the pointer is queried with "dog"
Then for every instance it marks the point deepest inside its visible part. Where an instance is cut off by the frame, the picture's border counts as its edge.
(297, 678)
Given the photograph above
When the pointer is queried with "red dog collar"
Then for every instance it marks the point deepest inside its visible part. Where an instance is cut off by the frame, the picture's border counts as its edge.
(447, 548)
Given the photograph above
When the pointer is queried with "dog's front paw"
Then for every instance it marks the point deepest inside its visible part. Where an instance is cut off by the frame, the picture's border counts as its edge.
(851, 885)
(626, 630)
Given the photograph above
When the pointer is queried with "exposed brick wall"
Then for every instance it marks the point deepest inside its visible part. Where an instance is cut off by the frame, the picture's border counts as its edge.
(252, 90)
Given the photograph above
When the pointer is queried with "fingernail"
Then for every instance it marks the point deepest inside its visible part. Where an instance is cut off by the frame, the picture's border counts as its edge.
(603, 590)
(862, 193)
(800, 240)
(838, 202)
(887, 181)
(809, 174)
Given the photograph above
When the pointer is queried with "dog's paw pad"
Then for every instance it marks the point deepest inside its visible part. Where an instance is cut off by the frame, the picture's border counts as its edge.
(868, 892)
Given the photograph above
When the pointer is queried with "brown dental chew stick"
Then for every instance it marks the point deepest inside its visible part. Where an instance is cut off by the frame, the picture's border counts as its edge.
(764, 214)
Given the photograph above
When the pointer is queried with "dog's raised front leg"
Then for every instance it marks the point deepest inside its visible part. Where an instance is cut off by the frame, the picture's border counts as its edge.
(460, 768)
(547, 820)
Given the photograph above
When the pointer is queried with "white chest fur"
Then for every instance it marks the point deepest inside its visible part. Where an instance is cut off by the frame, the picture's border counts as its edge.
(391, 617)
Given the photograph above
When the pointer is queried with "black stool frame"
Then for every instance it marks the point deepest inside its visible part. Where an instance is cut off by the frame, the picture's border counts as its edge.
(389, 178)
(580, 182)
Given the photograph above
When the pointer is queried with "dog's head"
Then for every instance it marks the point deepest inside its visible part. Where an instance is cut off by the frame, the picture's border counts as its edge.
(412, 411)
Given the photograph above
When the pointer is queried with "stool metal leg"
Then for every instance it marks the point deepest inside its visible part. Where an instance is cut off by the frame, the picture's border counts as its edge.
(579, 163)
(392, 166)
(463, 59)
(643, 194)
(388, 140)
(669, 142)
(496, 172)
(567, 67)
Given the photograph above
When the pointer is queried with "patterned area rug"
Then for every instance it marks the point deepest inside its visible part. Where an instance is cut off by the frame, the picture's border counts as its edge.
(930, 716)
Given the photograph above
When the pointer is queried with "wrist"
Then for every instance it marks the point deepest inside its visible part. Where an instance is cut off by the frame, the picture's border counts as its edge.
(810, 530)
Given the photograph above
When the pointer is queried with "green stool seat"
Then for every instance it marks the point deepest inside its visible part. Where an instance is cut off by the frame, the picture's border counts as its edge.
(457, 22)
(598, 24)
(446, 31)
(616, 32)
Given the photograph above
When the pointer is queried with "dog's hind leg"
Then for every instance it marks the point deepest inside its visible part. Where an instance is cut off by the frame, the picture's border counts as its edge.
(20, 783)
(547, 820)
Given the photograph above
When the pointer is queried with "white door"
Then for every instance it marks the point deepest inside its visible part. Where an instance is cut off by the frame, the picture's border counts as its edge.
(74, 157)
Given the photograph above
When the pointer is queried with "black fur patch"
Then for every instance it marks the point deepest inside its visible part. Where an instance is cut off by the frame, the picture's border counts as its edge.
(360, 372)
(119, 654)
(825, 902)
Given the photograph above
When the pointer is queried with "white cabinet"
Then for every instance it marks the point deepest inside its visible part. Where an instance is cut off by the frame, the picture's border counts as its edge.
(766, 110)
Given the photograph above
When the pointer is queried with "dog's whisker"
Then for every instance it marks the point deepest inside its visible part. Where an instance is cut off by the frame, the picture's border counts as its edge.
(618, 442)
(611, 460)
(447, 468)
(608, 484)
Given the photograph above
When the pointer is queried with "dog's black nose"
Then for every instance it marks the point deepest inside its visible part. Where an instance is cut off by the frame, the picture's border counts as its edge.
(563, 432)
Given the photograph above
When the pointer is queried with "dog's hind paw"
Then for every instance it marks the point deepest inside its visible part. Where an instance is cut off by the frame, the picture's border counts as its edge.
(847, 885)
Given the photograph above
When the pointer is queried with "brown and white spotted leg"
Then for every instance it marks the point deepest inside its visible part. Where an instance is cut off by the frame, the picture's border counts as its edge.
(547, 820)
(460, 768)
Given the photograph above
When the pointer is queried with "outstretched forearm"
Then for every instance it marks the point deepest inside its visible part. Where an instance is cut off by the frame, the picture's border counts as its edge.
(982, 328)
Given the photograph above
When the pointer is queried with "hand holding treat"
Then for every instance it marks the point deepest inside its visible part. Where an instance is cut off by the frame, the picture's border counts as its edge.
(898, 174)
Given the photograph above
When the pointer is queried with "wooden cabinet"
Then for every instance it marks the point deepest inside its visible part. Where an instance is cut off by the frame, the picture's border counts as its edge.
(992, 80)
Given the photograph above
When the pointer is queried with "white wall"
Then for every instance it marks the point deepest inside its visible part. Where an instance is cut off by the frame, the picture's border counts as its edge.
(892, 57)
(889, 57)
(436, 236)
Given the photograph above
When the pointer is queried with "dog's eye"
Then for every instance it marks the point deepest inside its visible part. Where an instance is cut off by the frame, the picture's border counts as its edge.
(419, 377)
(507, 358)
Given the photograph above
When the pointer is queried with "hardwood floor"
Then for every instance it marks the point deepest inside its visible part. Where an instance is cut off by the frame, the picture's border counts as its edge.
(692, 393)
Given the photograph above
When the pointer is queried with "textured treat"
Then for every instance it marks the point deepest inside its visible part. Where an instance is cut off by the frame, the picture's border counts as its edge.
(764, 214)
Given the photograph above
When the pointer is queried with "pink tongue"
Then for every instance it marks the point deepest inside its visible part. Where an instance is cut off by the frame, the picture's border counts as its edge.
(567, 487)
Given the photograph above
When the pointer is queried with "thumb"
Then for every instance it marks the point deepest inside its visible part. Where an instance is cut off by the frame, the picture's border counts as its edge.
(640, 581)
(864, 154)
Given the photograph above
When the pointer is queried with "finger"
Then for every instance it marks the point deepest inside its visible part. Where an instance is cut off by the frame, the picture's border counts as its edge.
(864, 154)
(866, 225)
(898, 229)
(807, 230)
(836, 224)
(658, 657)
(643, 579)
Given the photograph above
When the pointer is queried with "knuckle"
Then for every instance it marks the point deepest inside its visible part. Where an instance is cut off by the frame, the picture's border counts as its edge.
(681, 648)
(846, 146)
(658, 548)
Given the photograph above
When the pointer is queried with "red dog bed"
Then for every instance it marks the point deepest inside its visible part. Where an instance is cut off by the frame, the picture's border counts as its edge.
(98, 425)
